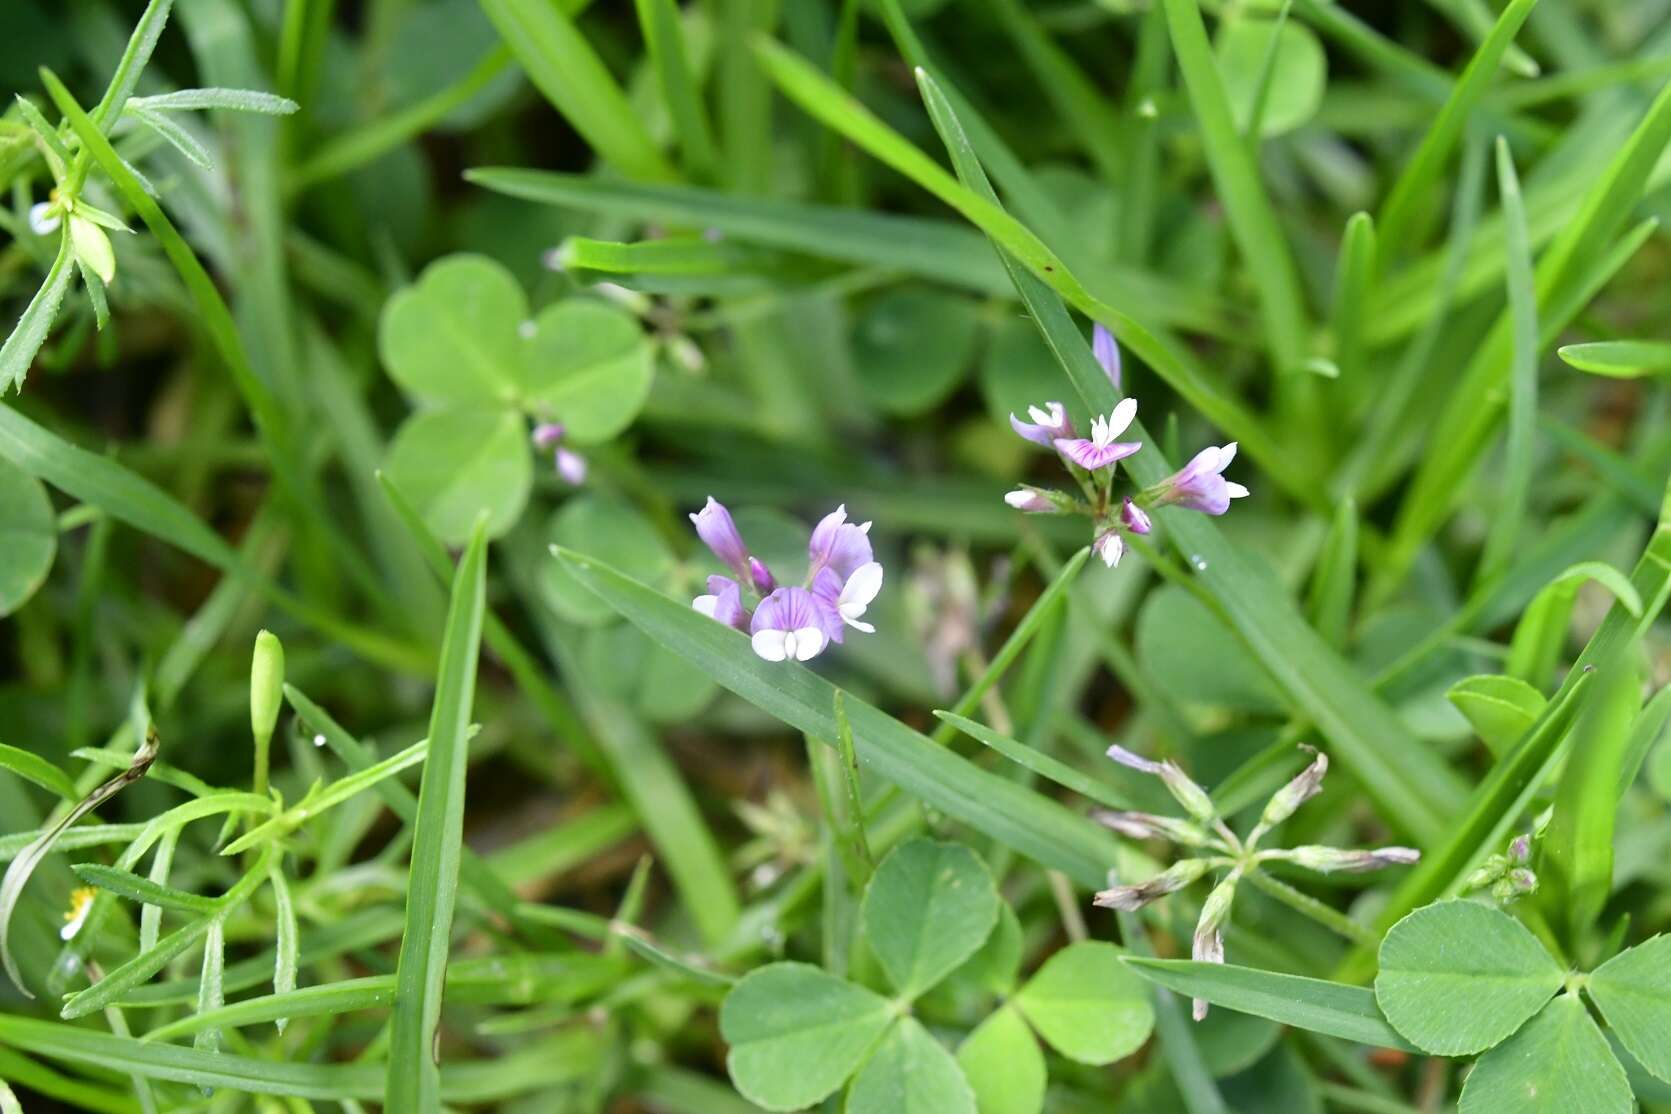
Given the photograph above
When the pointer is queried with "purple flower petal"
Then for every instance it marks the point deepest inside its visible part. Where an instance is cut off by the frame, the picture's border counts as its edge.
(1091, 456)
(723, 602)
(764, 581)
(1107, 352)
(719, 533)
(838, 544)
(1135, 518)
(571, 467)
(547, 434)
(1200, 485)
(1049, 423)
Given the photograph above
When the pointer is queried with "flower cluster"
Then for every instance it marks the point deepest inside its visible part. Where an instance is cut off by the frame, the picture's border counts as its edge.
(1218, 847)
(1509, 875)
(570, 465)
(791, 623)
(1199, 485)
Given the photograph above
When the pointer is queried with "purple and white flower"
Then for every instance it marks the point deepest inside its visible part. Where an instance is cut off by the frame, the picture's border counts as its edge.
(789, 625)
(1134, 518)
(1200, 485)
(792, 623)
(1050, 423)
(723, 602)
(1102, 448)
(570, 465)
(1036, 500)
(1107, 351)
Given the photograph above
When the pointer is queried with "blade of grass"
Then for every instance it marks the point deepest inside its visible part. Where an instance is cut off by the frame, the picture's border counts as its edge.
(1507, 521)
(1049, 768)
(1315, 1005)
(1252, 220)
(1334, 580)
(414, 1077)
(31, 330)
(1399, 221)
(665, 40)
(565, 67)
(1412, 786)
(1354, 279)
(32, 767)
(371, 992)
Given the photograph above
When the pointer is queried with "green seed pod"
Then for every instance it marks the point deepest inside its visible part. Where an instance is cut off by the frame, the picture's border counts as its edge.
(266, 696)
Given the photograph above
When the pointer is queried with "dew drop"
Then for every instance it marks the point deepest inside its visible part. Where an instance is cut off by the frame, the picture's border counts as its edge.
(1198, 561)
(319, 740)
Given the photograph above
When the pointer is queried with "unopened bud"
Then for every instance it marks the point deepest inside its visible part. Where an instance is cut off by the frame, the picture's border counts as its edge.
(1143, 825)
(1170, 880)
(266, 686)
(1521, 849)
(1186, 792)
(1297, 792)
(1330, 860)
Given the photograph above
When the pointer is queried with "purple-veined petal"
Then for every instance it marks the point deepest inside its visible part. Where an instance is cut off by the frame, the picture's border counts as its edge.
(1091, 456)
(839, 545)
(723, 602)
(790, 624)
(719, 533)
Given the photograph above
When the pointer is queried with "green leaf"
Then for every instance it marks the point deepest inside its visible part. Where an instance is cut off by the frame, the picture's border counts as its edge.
(1501, 709)
(453, 335)
(1457, 977)
(1334, 580)
(664, 38)
(898, 370)
(1558, 1064)
(32, 767)
(31, 330)
(928, 907)
(996, 966)
(1005, 1068)
(1039, 762)
(1009, 813)
(414, 1078)
(1087, 1004)
(1542, 630)
(125, 883)
(1633, 992)
(910, 1073)
(28, 536)
(1619, 359)
(1315, 1005)
(796, 1033)
(1252, 48)
(589, 365)
(564, 67)
(456, 463)
(613, 531)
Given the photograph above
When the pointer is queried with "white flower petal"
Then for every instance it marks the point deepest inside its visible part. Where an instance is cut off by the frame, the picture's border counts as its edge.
(861, 587)
(771, 644)
(1226, 455)
(1236, 491)
(705, 605)
(858, 626)
(1122, 417)
(806, 643)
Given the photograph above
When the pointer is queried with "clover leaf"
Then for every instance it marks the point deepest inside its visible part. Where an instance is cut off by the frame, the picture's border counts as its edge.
(1004, 1065)
(1087, 1005)
(928, 908)
(459, 342)
(910, 1073)
(1457, 977)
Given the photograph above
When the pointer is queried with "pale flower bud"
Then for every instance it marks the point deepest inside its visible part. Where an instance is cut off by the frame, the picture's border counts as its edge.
(1170, 880)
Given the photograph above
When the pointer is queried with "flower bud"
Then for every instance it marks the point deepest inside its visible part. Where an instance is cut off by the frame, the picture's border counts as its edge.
(1107, 352)
(1186, 792)
(1521, 849)
(716, 529)
(1208, 943)
(266, 686)
(1135, 518)
(1329, 860)
(1170, 880)
(1297, 792)
(1038, 500)
(1143, 825)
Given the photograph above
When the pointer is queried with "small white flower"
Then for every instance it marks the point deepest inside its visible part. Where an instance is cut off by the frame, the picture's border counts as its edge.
(803, 644)
(857, 593)
(43, 218)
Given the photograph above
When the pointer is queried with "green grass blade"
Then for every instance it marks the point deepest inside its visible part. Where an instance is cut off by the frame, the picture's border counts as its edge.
(1009, 813)
(134, 57)
(1507, 522)
(414, 1081)
(1576, 862)
(1399, 213)
(1413, 787)
(32, 767)
(134, 887)
(565, 67)
(285, 936)
(372, 992)
(1252, 220)
(1049, 768)
(665, 40)
(1315, 1005)
(1353, 279)
(31, 330)
(329, 797)
(1334, 580)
